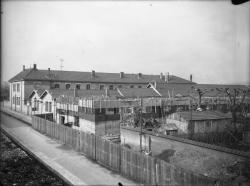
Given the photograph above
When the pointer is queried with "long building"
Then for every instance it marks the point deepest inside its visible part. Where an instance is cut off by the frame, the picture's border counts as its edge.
(30, 79)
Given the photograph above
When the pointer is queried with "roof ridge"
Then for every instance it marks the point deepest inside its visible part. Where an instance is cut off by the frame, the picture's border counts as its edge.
(30, 70)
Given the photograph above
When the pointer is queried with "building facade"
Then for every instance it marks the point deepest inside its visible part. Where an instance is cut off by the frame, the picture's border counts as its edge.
(27, 80)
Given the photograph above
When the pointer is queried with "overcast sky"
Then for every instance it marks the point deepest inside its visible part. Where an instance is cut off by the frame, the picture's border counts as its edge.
(207, 39)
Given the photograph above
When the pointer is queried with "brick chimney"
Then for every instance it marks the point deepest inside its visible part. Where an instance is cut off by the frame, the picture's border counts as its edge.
(23, 67)
(139, 75)
(167, 78)
(161, 75)
(34, 66)
(121, 74)
(191, 77)
(155, 84)
(93, 74)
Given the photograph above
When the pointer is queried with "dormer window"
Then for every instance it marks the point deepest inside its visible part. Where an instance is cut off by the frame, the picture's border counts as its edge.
(67, 86)
(139, 86)
(131, 86)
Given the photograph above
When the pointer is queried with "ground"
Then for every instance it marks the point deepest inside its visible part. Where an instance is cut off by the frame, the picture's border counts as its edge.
(217, 168)
(17, 168)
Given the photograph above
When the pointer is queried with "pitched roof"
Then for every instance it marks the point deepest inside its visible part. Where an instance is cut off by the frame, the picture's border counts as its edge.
(39, 92)
(77, 76)
(137, 92)
(177, 90)
(82, 93)
(21, 75)
(204, 115)
(173, 90)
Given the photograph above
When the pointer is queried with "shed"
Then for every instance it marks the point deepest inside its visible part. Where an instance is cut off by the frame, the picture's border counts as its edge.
(200, 122)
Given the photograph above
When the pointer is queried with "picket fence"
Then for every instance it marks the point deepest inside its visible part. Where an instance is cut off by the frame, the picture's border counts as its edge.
(136, 166)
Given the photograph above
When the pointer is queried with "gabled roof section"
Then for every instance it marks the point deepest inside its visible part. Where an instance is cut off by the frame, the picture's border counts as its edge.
(138, 92)
(56, 93)
(174, 90)
(77, 76)
(21, 75)
(38, 92)
(211, 90)
(204, 115)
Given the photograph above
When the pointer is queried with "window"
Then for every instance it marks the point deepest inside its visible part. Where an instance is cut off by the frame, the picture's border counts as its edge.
(18, 87)
(76, 123)
(37, 104)
(139, 86)
(101, 87)
(111, 87)
(18, 100)
(67, 86)
(78, 86)
(131, 86)
(88, 87)
(46, 106)
(57, 86)
(14, 87)
(119, 86)
(50, 106)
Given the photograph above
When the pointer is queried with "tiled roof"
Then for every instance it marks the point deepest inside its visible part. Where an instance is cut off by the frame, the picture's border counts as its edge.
(189, 89)
(21, 75)
(77, 76)
(204, 115)
(170, 90)
(39, 92)
(82, 93)
(137, 92)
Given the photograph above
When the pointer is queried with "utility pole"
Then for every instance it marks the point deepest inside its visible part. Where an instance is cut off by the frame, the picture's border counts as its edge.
(61, 65)
(140, 114)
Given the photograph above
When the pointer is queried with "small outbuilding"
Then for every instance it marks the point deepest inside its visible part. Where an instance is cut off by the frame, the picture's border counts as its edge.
(197, 122)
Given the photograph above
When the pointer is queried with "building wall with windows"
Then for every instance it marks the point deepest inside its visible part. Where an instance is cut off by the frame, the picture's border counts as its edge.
(17, 95)
(95, 86)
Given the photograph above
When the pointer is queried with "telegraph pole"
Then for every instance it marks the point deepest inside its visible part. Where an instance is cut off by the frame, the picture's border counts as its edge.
(140, 113)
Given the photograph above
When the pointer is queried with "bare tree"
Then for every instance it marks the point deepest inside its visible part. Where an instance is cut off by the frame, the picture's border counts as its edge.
(236, 98)
(200, 92)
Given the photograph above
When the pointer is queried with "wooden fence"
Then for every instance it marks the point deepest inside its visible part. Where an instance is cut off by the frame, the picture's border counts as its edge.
(133, 165)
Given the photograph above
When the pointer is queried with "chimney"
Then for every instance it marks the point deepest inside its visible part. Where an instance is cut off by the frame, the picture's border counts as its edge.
(93, 74)
(121, 74)
(161, 75)
(139, 75)
(49, 70)
(191, 77)
(107, 92)
(34, 66)
(23, 67)
(167, 77)
(155, 84)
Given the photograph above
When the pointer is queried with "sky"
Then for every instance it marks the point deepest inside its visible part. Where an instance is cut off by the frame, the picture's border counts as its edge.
(208, 39)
